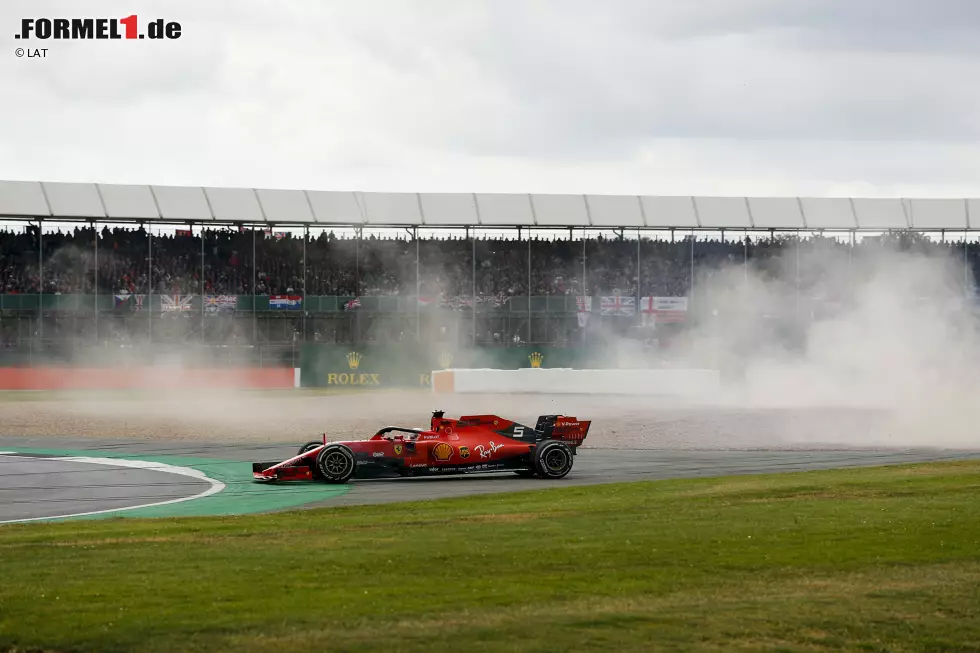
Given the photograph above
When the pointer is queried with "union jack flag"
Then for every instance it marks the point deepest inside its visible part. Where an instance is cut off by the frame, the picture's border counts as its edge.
(170, 303)
(617, 305)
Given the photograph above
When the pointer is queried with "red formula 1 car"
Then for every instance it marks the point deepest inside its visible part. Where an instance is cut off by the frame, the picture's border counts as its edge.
(475, 443)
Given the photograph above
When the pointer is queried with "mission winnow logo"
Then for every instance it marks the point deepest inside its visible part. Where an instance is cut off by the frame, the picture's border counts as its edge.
(83, 29)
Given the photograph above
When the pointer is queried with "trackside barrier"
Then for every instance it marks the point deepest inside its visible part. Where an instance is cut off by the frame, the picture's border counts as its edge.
(154, 378)
(661, 382)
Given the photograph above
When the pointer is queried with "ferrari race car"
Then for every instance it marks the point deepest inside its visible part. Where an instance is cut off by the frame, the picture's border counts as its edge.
(475, 443)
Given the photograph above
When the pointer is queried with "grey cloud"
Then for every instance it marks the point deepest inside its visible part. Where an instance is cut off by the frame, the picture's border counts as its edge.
(340, 92)
(894, 24)
(581, 83)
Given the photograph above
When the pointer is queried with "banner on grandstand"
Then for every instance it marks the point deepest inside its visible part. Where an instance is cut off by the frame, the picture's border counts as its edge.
(175, 303)
(352, 304)
(456, 303)
(617, 305)
(583, 307)
(286, 302)
(663, 309)
(498, 300)
(129, 300)
(215, 304)
(462, 302)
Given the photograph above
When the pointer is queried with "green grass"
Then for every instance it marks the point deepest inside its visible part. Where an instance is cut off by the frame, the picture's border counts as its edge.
(884, 559)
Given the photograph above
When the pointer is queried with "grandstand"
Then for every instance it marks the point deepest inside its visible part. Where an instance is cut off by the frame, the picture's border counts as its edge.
(108, 267)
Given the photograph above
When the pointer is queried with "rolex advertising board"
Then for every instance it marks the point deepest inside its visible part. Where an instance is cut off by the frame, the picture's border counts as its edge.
(411, 365)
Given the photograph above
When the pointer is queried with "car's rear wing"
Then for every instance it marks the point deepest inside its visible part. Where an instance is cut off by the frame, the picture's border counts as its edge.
(570, 430)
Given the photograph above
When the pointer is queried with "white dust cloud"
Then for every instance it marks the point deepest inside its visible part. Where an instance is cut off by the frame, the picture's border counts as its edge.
(886, 329)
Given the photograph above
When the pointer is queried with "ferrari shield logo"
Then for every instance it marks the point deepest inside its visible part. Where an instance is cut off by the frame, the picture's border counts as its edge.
(464, 452)
(442, 451)
(398, 449)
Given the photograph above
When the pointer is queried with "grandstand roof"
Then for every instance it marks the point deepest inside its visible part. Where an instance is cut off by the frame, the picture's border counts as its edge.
(181, 204)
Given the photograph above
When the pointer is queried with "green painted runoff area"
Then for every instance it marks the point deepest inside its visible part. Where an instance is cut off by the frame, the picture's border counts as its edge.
(241, 495)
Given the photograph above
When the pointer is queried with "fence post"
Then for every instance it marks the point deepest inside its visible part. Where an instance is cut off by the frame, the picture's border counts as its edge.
(585, 290)
(639, 316)
(306, 235)
(203, 307)
(529, 286)
(95, 279)
(149, 284)
(473, 242)
(418, 289)
(40, 278)
(255, 316)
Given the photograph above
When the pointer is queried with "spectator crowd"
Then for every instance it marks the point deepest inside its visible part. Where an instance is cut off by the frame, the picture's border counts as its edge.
(120, 260)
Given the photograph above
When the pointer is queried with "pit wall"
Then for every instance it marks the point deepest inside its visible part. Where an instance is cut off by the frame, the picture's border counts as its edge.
(53, 378)
(655, 382)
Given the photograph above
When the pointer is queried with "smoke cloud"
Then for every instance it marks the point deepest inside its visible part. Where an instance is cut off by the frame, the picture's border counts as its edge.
(886, 334)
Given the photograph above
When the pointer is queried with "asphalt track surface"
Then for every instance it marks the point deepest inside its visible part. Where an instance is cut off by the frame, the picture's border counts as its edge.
(32, 487)
(36, 487)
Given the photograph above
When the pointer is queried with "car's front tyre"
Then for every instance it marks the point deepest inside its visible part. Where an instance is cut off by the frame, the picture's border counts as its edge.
(336, 463)
(310, 446)
(553, 459)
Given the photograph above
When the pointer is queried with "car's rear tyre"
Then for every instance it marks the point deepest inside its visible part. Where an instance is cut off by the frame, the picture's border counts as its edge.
(336, 464)
(553, 459)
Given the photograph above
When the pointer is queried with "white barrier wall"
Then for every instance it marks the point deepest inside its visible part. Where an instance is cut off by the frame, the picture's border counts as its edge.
(661, 382)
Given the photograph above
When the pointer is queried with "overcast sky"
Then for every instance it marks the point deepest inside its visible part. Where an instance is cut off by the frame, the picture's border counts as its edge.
(674, 97)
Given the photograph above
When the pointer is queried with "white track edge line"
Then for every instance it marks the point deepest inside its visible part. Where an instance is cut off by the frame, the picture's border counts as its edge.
(216, 485)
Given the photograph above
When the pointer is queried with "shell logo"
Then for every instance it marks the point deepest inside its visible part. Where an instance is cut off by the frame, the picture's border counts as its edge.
(442, 451)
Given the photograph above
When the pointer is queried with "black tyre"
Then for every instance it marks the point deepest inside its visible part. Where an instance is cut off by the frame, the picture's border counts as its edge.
(336, 464)
(553, 459)
(309, 446)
